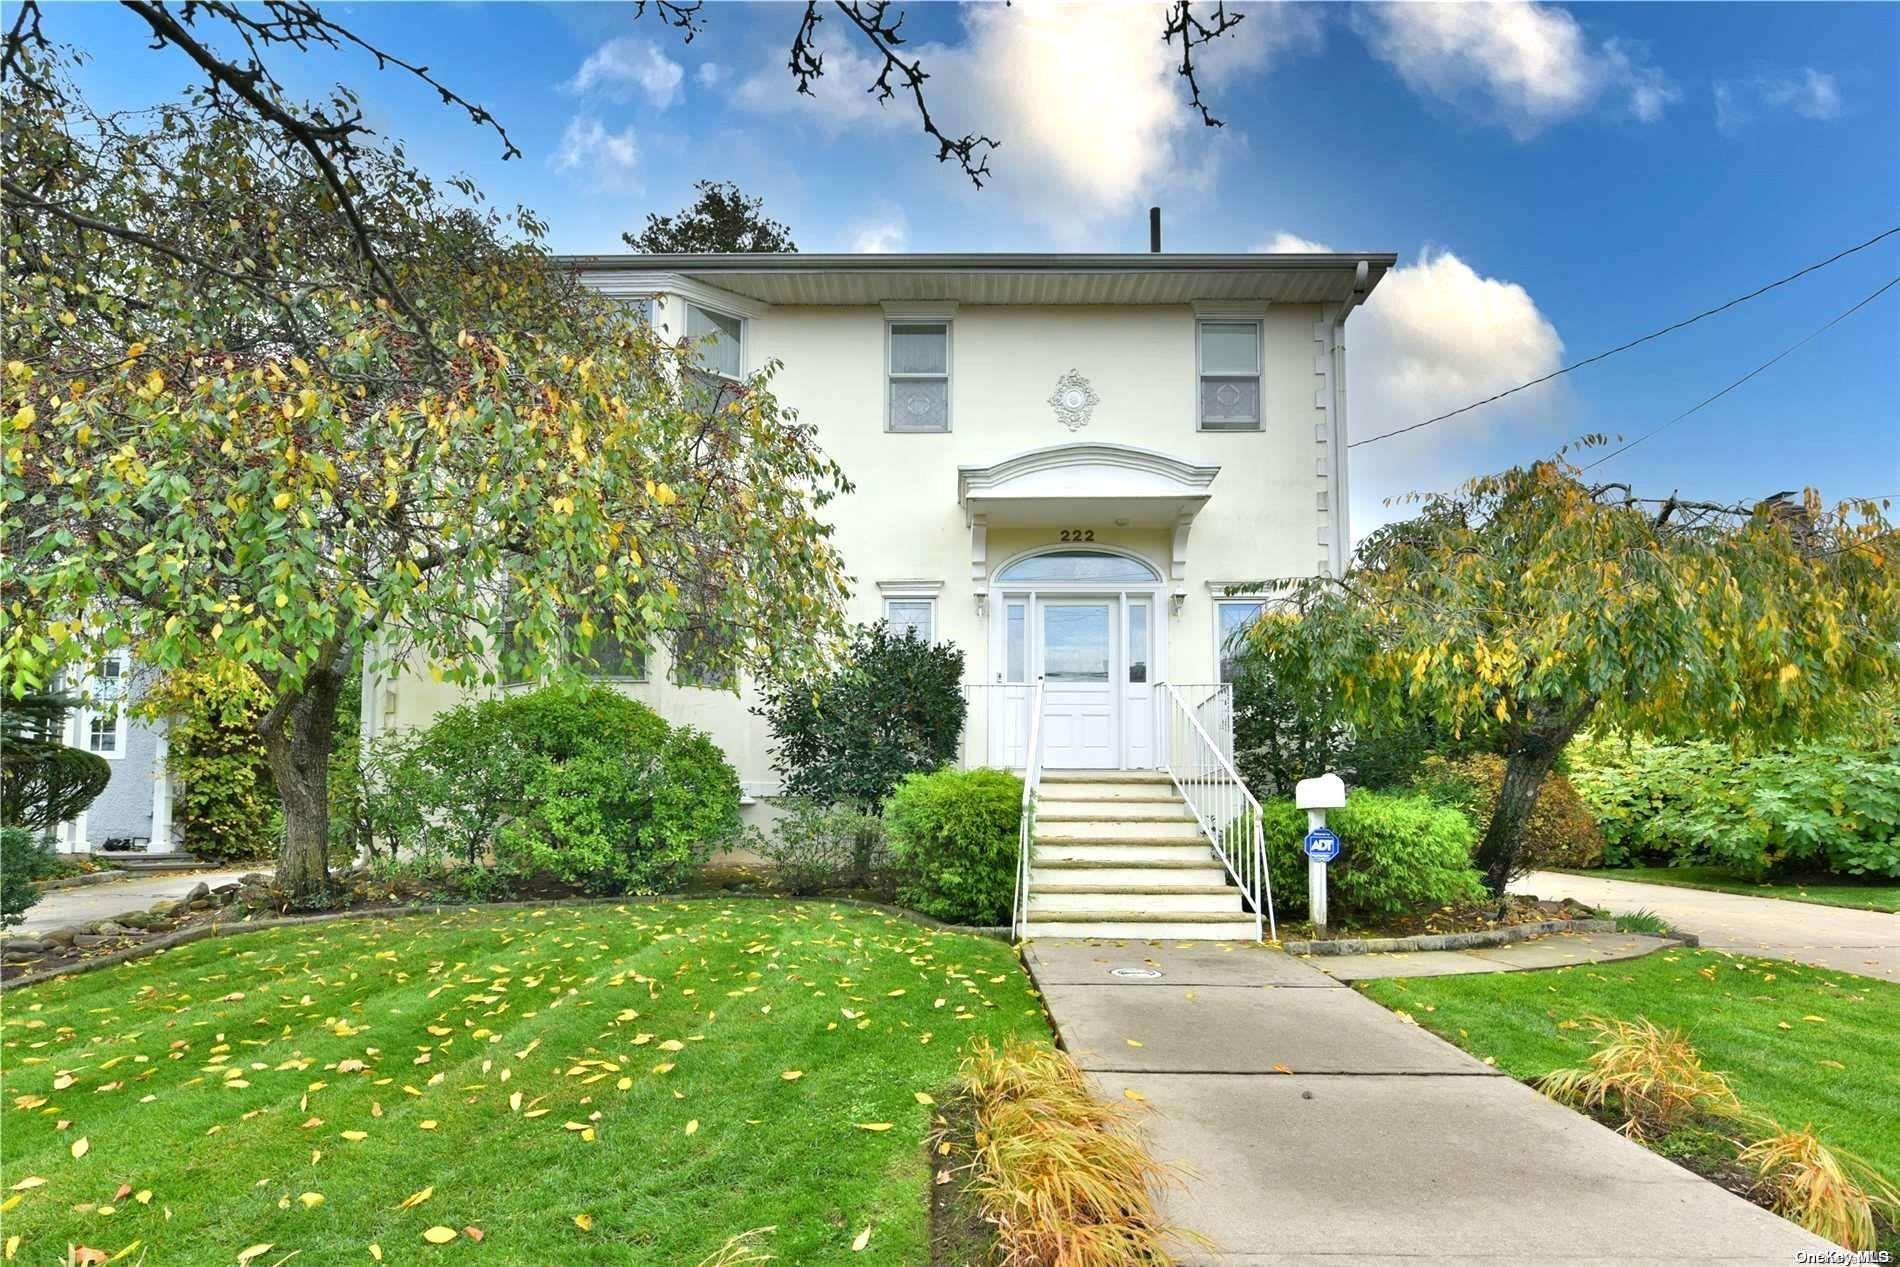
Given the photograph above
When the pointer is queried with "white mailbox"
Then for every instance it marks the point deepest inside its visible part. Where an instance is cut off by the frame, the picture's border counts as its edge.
(1328, 791)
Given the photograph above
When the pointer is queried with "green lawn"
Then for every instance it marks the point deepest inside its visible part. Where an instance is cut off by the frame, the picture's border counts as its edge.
(1871, 895)
(222, 1077)
(1802, 1044)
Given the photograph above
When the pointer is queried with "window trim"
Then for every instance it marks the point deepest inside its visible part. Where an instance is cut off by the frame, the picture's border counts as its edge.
(1201, 322)
(949, 373)
(121, 721)
(1257, 601)
(745, 336)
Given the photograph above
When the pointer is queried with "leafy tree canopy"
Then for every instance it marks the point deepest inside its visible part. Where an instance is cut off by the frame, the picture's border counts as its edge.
(274, 397)
(721, 219)
(1529, 604)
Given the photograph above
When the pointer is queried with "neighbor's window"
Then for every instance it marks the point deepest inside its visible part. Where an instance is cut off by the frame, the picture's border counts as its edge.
(918, 615)
(920, 376)
(1234, 616)
(1230, 375)
(718, 339)
(104, 717)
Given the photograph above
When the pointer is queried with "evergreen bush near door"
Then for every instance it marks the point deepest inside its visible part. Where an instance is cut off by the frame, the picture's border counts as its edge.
(24, 858)
(1399, 855)
(954, 840)
(895, 708)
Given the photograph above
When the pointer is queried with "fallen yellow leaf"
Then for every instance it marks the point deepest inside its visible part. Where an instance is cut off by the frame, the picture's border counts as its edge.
(924, 1097)
(82, 1146)
(874, 1126)
(246, 1255)
(439, 1235)
(863, 1239)
(415, 1199)
(792, 1075)
(311, 1200)
(692, 1126)
(31, 1181)
(585, 1222)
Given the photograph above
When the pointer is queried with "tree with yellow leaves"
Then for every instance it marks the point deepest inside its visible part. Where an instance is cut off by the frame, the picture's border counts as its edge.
(1531, 604)
(274, 398)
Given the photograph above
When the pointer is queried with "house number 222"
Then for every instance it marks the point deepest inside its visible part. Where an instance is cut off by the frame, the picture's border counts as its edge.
(1078, 534)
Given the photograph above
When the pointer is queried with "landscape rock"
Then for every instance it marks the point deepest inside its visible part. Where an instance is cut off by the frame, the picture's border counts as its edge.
(15, 954)
(135, 919)
(164, 906)
(60, 936)
(86, 941)
(199, 892)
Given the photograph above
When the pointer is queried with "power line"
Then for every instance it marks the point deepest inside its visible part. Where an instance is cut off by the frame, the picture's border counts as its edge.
(1744, 378)
(1592, 360)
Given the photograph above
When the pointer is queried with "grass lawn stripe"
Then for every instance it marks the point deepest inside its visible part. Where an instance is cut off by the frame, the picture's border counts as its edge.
(1745, 1016)
(770, 985)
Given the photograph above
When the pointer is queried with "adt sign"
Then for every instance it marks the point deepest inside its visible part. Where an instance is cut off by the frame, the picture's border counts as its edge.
(1322, 844)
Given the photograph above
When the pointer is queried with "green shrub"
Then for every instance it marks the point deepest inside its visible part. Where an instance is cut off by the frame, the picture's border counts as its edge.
(1820, 807)
(1399, 854)
(817, 848)
(895, 708)
(954, 843)
(582, 784)
(42, 781)
(224, 803)
(24, 858)
(1561, 831)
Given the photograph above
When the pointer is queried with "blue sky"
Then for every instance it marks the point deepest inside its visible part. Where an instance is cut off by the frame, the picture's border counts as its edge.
(1556, 180)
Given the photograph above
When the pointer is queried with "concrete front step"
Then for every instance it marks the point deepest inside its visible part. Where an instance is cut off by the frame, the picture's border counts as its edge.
(1155, 811)
(1105, 830)
(1120, 778)
(1134, 903)
(1123, 853)
(1158, 879)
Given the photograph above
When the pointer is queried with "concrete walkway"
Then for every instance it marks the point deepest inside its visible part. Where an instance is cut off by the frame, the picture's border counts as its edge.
(1558, 950)
(1863, 942)
(88, 902)
(1320, 1129)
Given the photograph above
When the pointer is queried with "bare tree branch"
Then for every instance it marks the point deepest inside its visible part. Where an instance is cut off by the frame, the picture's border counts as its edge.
(684, 14)
(1194, 34)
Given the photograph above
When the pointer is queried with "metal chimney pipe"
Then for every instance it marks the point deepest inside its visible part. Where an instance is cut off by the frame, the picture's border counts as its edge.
(1154, 230)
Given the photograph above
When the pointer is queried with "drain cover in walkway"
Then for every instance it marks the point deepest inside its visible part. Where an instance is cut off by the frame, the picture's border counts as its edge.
(1146, 974)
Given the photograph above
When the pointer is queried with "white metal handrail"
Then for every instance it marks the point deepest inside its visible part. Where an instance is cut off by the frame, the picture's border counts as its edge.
(1227, 812)
(1032, 778)
(1212, 704)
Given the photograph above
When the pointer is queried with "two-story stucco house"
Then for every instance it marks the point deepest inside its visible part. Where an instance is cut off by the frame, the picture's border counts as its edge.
(1063, 463)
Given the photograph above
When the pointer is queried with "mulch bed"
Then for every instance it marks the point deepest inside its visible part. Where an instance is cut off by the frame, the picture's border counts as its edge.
(1458, 917)
(959, 1234)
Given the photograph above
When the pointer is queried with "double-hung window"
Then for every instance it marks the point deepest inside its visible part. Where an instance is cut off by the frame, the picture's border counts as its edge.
(1229, 356)
(102, 721)
(606, 656)
(718, 339)
(699, 659)
(919, 388)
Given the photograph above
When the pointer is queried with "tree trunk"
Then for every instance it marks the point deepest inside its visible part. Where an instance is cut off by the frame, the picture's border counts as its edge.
(1527, 762)
(299, 751)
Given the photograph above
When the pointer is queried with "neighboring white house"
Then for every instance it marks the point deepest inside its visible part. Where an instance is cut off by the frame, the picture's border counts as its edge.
(1062, 463)
(134, 812)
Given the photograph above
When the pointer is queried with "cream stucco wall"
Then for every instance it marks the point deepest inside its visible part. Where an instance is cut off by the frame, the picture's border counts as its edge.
(1267, 514)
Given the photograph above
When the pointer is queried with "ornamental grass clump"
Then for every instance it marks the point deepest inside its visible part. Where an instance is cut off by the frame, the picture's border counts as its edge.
(1063, 1177)
(1652, 1076)
(1832, 1193)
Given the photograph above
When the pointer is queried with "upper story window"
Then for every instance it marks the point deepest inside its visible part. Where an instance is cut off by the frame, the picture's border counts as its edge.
(723, 353)
(919, 388)
(1229, 358)
(699, 659)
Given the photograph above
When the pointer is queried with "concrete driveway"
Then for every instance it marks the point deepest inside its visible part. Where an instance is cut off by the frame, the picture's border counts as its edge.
(1862, 942)
(86, 902)
(1317, 1128)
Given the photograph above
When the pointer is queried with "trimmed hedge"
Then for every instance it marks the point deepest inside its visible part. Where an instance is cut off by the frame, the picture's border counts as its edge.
(953, 841)
(1821, 807)
(1399, 854)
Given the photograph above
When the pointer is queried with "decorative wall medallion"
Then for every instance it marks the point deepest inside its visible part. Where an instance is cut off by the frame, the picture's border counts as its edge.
(1074, 401)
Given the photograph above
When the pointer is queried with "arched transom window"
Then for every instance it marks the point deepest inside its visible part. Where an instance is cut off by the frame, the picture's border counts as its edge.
(1079, 565)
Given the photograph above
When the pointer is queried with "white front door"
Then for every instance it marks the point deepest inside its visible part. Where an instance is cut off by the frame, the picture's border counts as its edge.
(1078, 651)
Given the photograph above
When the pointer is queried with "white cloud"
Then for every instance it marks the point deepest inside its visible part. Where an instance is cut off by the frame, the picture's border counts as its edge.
(1812, 94)
(1284, 243)
(1436, 334)
(1524, 66)
(880, 236)
(609, 157)
(1084, 98)
(711, 75)
(624, 66)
